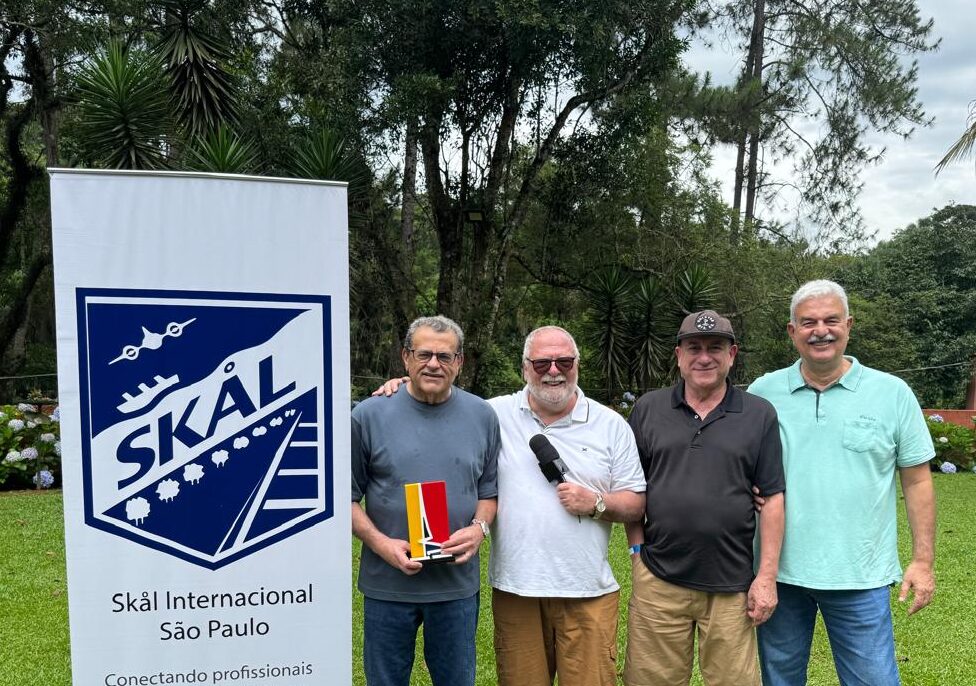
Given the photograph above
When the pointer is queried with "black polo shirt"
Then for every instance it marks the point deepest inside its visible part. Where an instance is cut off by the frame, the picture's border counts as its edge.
(700, 517)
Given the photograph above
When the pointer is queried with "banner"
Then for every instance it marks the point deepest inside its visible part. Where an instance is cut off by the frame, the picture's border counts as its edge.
(203, 367)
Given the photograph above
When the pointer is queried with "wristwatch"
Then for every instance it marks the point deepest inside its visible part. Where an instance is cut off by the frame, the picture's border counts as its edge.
(484, 526)
(599, 508)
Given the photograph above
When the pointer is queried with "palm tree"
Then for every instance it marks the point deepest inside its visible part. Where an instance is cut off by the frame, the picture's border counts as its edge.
(203, 90)
(124, 109)
(963, 147)
(223, 151)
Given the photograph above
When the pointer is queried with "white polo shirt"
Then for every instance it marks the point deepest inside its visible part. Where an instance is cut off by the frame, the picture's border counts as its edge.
(539, 549)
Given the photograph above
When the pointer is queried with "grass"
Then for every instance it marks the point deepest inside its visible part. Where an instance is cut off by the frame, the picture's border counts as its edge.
(934, 647)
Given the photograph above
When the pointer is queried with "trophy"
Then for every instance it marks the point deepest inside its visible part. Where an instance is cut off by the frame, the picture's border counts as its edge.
(427, 521)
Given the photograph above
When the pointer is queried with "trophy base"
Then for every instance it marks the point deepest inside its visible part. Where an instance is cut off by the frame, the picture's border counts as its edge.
(435, 558)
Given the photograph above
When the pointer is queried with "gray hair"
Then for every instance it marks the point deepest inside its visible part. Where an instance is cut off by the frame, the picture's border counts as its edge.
(532, 334)
(439, 324)
(818, 289)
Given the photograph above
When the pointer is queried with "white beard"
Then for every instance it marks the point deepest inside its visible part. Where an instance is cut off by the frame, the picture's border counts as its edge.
(555, 397)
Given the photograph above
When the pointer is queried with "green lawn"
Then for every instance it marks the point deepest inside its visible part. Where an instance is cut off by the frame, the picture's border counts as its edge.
(934, 647)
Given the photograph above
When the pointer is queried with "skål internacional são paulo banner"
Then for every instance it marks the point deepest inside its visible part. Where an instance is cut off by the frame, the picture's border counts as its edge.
(203, 364)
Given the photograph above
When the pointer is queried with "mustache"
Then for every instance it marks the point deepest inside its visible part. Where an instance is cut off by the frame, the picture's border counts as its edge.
(553, 377)
(826, 338)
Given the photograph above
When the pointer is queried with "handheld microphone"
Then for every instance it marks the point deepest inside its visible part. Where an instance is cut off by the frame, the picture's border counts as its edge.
(552, 466)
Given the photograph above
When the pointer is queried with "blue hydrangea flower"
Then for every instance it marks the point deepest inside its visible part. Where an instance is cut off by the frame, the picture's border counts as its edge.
(16, 424)
(624, 406)
(48, 438)
(629, 397)
(45, 478)
(57, 448)
(29, 453)
(947, 468)
(24, 407)
(56, 415)
(937, 418)
(12, 456)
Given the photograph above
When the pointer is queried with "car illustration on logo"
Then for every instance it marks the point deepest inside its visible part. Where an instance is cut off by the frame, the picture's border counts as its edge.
(206, 418)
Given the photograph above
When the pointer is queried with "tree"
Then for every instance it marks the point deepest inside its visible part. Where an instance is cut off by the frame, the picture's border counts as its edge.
(840, 63)
(926, 275)
(492, 90)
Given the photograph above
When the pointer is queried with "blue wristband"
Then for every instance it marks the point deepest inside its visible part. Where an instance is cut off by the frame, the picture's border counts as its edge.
(636, 548)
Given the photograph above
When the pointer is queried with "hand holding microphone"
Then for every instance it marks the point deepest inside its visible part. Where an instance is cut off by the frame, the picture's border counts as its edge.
(552, 466)
(574, 498)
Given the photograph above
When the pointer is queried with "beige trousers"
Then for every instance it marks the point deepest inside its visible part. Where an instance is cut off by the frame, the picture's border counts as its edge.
(661, 635)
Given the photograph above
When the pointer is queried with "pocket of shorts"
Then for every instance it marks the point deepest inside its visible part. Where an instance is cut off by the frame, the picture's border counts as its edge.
(860, 435)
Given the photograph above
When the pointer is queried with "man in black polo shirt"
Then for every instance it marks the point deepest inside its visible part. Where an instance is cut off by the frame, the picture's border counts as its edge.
(703, 445)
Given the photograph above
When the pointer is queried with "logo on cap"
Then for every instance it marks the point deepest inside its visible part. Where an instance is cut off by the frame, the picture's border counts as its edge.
(705, 322)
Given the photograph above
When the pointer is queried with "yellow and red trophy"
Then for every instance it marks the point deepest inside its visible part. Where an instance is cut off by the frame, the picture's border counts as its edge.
(427, 522)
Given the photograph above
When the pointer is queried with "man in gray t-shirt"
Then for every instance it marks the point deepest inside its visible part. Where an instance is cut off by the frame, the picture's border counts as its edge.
(434, 432)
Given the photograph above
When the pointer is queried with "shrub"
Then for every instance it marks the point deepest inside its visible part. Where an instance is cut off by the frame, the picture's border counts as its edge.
(30, 447)
(954, 444)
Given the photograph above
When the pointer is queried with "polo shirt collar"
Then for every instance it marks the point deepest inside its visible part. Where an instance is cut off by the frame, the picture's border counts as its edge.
(850, 379)
(579, 415)
(732, 402)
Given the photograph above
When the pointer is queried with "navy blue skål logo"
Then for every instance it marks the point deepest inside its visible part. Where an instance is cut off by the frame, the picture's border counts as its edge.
(206, 418)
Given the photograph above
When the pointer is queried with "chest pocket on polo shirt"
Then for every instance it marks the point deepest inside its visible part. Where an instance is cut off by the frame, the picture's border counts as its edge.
(863, 435)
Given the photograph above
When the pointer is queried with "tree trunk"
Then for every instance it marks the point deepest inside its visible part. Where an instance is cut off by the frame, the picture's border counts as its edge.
(744, 140)
(446, 223)
(740, 161)
(408, 191)
(758, 29)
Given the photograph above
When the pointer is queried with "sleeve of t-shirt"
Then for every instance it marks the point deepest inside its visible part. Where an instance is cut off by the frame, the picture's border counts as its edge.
(769, 476)
(626, 473)
(488, 482)
(914, 440)
(360, 472)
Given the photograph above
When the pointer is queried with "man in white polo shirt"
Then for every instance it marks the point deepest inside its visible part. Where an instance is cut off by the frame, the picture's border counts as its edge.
(554, 598)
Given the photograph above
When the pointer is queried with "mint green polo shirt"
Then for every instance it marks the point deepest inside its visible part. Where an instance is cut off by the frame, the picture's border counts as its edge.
(841, 448)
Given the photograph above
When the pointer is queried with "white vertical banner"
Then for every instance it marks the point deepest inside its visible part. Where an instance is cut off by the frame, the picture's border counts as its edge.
(203, 371)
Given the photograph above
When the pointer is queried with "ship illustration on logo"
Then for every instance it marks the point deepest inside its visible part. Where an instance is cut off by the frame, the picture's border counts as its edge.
(212, 438)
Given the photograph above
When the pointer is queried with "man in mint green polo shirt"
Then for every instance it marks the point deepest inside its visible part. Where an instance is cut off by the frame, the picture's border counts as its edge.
(846, 431)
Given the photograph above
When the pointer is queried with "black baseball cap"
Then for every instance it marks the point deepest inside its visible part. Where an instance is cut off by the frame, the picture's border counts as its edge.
(706, 323)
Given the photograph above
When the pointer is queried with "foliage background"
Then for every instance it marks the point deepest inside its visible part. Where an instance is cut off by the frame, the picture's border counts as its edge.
(510, 165)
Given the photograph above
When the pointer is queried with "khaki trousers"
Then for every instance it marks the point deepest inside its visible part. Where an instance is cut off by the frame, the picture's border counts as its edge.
(661, 635)
(537, 638)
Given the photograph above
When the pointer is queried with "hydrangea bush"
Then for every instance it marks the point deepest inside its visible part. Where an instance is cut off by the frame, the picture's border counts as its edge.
(955, 445)
(30, 447)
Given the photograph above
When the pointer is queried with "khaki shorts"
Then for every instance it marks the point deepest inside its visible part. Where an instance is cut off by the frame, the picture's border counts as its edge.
(537, 638)
(661, 635)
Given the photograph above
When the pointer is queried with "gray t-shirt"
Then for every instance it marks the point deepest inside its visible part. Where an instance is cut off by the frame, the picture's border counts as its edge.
(400, 440)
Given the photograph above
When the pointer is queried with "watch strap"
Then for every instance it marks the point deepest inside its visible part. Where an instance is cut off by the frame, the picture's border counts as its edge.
(484, 526)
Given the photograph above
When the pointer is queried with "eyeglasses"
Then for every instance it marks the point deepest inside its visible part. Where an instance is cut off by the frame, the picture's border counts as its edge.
(563, 364)
(424, 356)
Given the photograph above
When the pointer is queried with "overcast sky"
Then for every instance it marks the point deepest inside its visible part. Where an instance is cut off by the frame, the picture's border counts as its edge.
(903, 187)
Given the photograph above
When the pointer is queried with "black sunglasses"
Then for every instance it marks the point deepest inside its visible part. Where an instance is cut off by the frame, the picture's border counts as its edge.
(563, 364)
